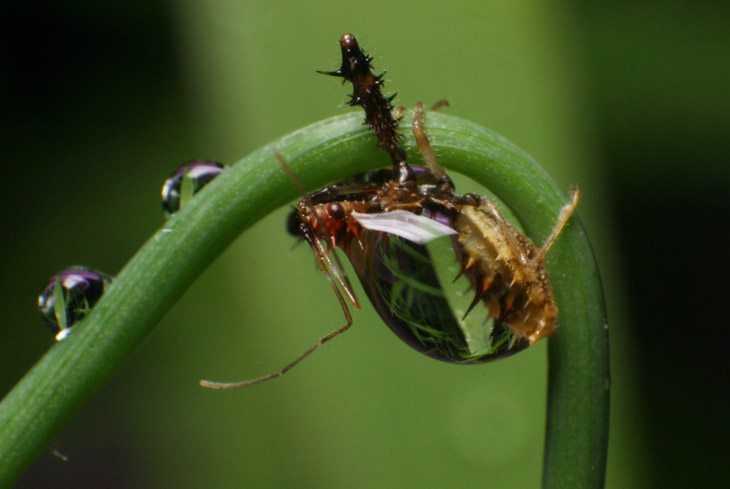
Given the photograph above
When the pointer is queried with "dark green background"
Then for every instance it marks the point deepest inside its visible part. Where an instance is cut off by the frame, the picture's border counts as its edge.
(628, 100)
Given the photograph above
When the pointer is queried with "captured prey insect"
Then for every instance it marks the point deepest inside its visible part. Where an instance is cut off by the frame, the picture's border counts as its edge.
(413, 242)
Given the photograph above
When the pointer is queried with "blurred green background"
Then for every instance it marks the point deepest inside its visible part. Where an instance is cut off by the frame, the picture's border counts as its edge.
(628, 100)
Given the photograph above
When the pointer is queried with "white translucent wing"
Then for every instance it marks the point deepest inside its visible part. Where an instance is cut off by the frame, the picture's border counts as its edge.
(407, 225)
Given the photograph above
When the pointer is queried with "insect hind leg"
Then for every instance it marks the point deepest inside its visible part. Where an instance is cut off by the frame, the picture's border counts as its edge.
(235, 385)
(331, 270)
(565, 213)
(424, 146)
(327, 268)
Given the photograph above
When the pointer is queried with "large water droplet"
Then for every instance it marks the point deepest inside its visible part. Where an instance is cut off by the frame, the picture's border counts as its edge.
(415, 290)
(185, 182)
(69, 296)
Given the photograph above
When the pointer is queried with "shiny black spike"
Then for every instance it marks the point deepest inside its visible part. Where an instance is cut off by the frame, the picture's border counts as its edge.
(356, 69)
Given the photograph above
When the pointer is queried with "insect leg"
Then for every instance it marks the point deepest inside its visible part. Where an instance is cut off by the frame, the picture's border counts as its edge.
(441, 103)
(334, 278)
(565, 214)
(235, 385)
(424, 146)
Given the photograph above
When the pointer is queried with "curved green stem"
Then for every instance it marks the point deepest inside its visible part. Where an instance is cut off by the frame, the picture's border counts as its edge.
(73, 369)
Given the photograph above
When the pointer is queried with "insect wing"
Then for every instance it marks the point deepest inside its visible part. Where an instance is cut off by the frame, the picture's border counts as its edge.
(407, 225)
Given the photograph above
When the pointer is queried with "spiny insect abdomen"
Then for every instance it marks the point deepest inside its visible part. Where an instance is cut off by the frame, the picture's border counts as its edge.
(356, 69)
(499, 260)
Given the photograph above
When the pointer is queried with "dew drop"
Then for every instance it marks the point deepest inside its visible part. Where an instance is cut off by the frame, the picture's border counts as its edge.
(412, 286)
(69, 296)
(186, 181)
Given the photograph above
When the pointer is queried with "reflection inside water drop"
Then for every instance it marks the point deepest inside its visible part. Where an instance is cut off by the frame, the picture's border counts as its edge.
(186, 181)
(69, 296)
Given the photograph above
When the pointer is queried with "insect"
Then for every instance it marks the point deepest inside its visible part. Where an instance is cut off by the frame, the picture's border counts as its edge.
(408, 236)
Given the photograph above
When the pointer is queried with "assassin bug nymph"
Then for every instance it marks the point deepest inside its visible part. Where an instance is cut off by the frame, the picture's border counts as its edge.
(387, 222)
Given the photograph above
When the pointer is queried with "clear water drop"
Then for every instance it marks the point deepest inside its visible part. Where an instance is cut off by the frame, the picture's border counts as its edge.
(415, 289)
(186, 181)
(69, 296)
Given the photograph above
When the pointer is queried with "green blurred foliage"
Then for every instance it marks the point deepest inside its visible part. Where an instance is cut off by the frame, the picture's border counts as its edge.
(104, 100)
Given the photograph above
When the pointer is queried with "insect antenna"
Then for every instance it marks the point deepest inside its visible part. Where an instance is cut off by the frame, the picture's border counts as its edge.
(334, 277)
(292, 177)
(366, 93)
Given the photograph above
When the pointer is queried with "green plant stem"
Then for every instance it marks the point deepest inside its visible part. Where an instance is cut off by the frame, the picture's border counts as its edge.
(148, 286)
